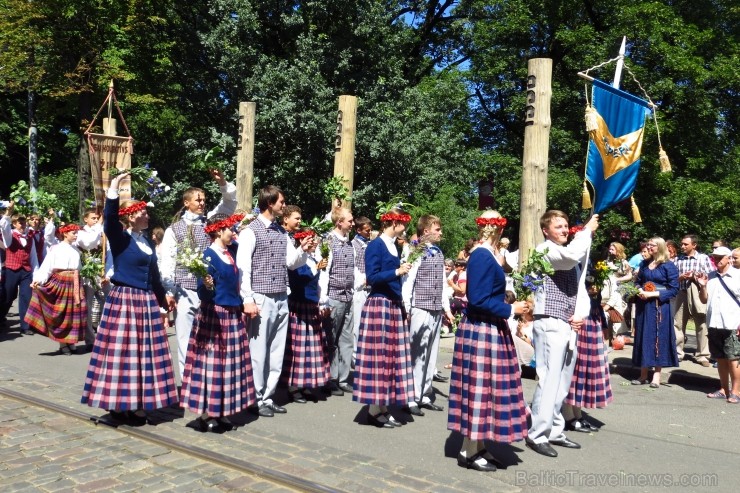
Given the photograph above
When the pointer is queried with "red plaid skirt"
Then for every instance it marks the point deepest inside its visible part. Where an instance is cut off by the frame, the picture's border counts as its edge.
(218, 370)
(130, 367)
(58, 308)
(305, 364)
(383, 370)
(590, 387)
(486, 398)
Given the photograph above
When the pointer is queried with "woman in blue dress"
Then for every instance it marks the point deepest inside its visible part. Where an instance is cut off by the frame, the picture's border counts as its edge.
(655, 340)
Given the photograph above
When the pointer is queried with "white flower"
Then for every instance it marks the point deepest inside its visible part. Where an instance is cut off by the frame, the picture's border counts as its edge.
(167, 188)
(154, 172)
(150, 204)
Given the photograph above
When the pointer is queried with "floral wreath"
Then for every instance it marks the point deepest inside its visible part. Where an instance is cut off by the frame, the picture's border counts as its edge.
(491, 221)
(386, 211)
(304, 234)
(575, 229)
(224, 223)
(67, 228)
(132, 209)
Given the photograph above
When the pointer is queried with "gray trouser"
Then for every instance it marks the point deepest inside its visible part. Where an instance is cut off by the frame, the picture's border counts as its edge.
(358, 302)
(267, 335)
(339, 337)
(188, 304)
(555, 364)
(425, 326)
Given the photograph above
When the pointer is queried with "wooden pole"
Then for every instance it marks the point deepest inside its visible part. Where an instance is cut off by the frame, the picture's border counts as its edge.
(620, 63)
(536, 148)
(245, 155)
(344, 147)
(109, 124)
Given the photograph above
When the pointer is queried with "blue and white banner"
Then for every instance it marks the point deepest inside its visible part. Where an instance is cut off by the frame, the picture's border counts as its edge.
(614, 147)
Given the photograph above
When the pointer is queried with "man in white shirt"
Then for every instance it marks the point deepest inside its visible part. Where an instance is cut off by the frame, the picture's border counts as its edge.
(720, 290)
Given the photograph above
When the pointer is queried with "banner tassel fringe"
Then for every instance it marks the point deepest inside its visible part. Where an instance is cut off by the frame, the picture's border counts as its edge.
(665, 164)
(635, 211)
(585, 198)
(592, 123)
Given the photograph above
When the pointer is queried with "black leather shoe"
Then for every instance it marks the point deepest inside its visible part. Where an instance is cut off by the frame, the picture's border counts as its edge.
(265, 411)
(575, 425)
(134, 419)
(379, 420)
(440, 378)
(565, 442)
(119, 416)
(393, 421)
(588, 425)
(225, 424)
(414, 410)
(334, 389)
(543, 449)
(297, 396)
(431, 406)
(276, 409)
(470, 462)
(344, 386)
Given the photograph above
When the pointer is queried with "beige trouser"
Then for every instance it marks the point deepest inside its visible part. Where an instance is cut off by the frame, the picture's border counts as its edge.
(683, 312)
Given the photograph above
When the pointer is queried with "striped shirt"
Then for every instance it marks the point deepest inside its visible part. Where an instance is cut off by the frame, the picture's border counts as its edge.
(698, 262)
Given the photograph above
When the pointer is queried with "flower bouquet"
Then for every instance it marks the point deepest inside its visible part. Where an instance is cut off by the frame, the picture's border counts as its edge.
(601, 273)
(191, 259)
(144, 182)
(628, 290)
(418, 249)
(531, 277)
(92, 268)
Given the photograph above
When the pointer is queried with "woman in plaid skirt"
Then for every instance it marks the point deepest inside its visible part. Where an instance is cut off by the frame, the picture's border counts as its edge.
(590, 387)
(486, 400)
(306, 365)
(217, 379)
(383, 370)
(58, 308)
(130, 369)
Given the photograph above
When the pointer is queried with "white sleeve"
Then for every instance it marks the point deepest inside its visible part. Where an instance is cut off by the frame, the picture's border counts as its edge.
(244, 254)
(567, 257)
(294, 256)
(90, 239)
(228, 202)
(168, 260)
(324, 281)
(42, 274)
(6, 230)
(407, 286)
(50, 231)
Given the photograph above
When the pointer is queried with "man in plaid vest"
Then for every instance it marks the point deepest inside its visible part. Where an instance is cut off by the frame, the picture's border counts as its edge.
(363, 228)
(424, 299)
(21, 259)
(337, 288)
(264, 256)
(559, 310)
(188, 231)
(688, 304)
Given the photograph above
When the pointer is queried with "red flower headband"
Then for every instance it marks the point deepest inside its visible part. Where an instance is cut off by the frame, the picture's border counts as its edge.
(133, 208)
(224, 223)
(68, 228)
(303, 234)
(491, 221)
(392, 216)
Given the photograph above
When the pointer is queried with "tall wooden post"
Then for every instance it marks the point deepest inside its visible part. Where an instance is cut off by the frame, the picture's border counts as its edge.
(245, 156)
(536, 148)
(344, 147)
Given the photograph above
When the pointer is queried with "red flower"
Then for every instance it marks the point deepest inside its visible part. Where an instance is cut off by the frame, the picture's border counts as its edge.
(491, 221)
(575, 229)
(303, 234)
(224, 223)
(132, 209)
(390, 216)
(649, 286)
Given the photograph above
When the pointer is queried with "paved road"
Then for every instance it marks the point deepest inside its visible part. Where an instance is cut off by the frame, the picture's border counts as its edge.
(650, 439)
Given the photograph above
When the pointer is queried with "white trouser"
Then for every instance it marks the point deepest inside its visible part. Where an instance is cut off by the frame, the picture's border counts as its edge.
(267, 335)
(188, 304)
(555, 364)
(425, 326)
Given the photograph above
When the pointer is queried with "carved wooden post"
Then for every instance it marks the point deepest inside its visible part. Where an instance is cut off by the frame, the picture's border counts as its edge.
(536, 147)
(344, 148)
(245, 156)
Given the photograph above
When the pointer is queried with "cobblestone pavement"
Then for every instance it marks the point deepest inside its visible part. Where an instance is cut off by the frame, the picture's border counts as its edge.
(51, 452)
(668, 431)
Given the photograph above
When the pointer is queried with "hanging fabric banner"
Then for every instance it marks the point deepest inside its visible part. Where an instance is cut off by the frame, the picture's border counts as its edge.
(615, 144)
(109, 151)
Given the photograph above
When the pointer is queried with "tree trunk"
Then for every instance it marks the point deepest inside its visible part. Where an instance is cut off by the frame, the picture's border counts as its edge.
(83, 157)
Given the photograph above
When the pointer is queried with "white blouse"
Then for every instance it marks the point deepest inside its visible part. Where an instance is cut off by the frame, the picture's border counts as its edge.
(61, 256)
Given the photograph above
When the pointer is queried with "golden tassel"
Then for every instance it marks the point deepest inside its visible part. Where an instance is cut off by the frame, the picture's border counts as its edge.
(585, 198)
(635, 211)
(592, 122)
(665, 164)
